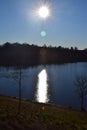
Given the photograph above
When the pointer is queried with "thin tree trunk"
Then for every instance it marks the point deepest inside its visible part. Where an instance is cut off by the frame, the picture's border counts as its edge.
(19, 105)
(82, 103)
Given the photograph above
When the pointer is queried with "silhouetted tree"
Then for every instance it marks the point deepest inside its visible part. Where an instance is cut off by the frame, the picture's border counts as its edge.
(81, 87)
(76, 48)
(18, 76)
(19, 106)
(71, 48)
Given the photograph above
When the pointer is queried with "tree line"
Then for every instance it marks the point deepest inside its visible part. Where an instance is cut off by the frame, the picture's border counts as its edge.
(16, 54)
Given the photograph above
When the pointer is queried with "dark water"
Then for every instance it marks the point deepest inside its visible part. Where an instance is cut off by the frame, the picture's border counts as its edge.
(47, 84)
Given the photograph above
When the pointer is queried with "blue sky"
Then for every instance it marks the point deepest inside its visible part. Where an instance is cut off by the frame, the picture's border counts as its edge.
(66, 26)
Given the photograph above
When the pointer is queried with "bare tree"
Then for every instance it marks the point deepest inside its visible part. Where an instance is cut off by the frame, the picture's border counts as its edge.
(17, 76)
(19, 106)
(81, 87)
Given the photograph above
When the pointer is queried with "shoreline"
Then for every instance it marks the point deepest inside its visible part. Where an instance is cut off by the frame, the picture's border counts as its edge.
(45, 104)
(27, 66)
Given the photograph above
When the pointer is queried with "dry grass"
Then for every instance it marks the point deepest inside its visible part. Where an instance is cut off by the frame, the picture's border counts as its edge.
(34, 117)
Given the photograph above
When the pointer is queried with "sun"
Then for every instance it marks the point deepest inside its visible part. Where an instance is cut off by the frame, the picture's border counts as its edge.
(44, 12)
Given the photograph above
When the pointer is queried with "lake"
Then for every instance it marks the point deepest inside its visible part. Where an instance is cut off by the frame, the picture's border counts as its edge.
(47, 84)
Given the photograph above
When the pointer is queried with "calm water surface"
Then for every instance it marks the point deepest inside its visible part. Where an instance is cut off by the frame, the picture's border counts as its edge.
(47, 84)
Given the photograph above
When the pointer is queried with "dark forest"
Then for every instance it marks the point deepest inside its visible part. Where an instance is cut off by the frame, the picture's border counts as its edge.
(17, 54)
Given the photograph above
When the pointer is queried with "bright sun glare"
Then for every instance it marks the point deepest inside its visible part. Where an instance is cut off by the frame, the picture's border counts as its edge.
(42, 87)
(43, 12)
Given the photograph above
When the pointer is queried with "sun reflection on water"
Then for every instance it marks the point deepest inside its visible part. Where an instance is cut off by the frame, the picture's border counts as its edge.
(42, 87)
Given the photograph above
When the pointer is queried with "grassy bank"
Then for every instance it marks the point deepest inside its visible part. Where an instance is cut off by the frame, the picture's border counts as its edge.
(35, 116)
